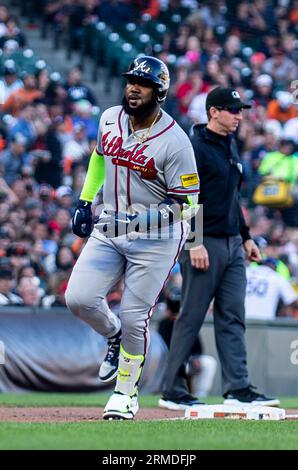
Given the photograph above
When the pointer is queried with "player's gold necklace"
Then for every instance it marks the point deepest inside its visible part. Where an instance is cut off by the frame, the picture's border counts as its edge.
(146, 135)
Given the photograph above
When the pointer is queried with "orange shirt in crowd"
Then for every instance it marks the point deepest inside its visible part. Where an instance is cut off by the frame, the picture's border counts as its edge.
(19, 98)
(275, 112)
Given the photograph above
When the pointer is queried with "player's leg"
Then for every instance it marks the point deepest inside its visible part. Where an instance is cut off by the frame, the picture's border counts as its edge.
(98, 268)
(149, 264)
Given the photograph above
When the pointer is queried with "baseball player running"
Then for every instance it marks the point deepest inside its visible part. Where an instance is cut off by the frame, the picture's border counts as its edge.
(146, 165)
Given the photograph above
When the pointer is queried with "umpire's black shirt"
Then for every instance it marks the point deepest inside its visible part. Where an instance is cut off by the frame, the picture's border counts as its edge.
(220, 172)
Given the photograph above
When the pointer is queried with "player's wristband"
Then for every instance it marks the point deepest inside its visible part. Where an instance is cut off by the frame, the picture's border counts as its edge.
(165, 214)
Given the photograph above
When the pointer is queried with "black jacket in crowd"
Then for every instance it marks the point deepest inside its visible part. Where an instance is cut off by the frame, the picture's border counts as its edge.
(220, 172)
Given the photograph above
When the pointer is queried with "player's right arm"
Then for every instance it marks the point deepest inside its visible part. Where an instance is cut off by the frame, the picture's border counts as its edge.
(94, 178)
(82, 220)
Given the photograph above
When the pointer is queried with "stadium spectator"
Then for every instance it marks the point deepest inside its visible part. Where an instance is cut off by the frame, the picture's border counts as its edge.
(7, 296)
(3, 19)
(13, 38)
(268, 294)
(48, 168)
(10, 81)
(76, 90)
(23, 96)
(29, 291)
(14, 160)
(282, 108)
(282, 164)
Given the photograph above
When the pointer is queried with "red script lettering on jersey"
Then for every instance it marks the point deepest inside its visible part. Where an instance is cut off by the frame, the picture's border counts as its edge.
(133, 159)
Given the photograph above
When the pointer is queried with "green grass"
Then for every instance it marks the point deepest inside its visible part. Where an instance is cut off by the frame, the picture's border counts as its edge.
(96, 399)
(149, 435)
(174, 435)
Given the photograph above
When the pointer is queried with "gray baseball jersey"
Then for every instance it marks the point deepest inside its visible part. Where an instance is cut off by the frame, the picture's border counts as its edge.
(139, 175)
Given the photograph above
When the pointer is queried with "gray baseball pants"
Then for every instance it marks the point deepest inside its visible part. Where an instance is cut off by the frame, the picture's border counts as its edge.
(145, 265)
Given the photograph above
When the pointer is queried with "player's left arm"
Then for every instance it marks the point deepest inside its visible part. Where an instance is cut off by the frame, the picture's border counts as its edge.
(182, 191)
(182, 179)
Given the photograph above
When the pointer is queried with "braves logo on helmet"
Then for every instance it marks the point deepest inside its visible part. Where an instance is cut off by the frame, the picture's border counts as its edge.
(142, 67)
(153, 70)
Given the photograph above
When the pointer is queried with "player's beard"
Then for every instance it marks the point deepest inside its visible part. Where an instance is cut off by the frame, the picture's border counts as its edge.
(143, 111)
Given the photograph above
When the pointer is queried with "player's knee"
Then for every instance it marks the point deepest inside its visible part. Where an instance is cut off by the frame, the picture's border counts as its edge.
(83, 304)
(77, 300)
(132, 330)
(72, 300)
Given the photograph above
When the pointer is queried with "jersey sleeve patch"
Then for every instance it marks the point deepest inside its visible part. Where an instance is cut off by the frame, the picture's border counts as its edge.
(189, 180)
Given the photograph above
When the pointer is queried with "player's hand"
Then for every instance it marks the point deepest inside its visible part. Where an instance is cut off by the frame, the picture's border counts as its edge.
(82, 219)
(199, 257)
(113, 224)
(252, 251)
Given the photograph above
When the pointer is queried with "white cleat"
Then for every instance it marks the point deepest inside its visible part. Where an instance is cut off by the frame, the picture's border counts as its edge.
(121, 406)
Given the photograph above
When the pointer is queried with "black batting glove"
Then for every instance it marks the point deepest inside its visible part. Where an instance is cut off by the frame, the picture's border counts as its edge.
(82, 219)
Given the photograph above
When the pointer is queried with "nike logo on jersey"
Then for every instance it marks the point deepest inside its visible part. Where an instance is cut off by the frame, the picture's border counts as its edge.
(109, 123)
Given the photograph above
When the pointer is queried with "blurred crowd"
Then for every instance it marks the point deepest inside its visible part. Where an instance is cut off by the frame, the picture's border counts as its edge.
(48, 126)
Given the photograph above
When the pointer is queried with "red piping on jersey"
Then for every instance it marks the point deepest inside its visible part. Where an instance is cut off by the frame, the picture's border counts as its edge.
(116, 166)
(161, 132)
(115, 187)
(183, 191)
(128, 188)
(119, 121)
(151, 309)
(128, 178)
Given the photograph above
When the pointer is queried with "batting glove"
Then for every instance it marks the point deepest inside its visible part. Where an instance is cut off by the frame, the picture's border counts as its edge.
(82, 219)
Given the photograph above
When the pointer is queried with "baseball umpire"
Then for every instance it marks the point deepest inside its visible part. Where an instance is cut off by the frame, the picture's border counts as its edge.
(147, 167)
(216, 270)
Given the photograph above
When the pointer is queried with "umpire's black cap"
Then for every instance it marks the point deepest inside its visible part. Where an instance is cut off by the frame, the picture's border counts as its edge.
(227, 98)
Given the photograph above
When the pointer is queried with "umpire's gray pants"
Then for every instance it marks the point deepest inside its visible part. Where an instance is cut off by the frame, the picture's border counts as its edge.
(225, 281)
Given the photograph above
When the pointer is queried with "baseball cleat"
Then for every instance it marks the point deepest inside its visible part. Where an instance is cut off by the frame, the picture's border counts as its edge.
(248, 396)
(109, 368)
(121, 406)
(182, 403)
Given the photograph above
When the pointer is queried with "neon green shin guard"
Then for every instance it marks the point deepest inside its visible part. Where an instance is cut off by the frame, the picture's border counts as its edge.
(130, 369)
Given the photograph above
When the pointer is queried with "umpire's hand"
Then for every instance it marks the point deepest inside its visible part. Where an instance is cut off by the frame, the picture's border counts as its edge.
(199, 257)
(252, 251)
(82, 219)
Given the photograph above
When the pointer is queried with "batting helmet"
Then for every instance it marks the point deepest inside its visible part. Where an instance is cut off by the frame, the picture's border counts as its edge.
(153, 70)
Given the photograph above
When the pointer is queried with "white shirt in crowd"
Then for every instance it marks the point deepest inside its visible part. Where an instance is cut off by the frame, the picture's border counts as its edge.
(197, 109)
(265, 288)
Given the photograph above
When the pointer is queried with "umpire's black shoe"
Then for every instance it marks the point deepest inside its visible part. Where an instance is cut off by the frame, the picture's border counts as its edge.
(248, 396)
(178, 403)
(109, 368)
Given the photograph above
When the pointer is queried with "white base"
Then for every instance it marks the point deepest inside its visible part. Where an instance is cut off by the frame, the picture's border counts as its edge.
(248, 412)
